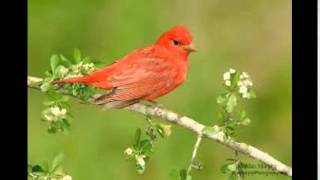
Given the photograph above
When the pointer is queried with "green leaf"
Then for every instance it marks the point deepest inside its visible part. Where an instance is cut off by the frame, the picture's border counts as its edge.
(241, 172)
(232, 176)
(64, 99)
(183, 174)
(45, 166)
(48, 103)
(52, 130)
(252, 94)
(230, 130)
(231, 103)
(220, 118)
(246, 122)
(60, 72)
(97, 63)
(48, 73)
(221, 99)
(137, 137)
(65, 124)
(86, 60)
(242, 114)
(160, 130)
(54, 61)
(231, 160)
(37, 168)
(54, 96)
(29, 168)
(45, 86)
(65, 61)
(232, 167)
(174, 174)
(234, 80)
(77, 55)
(69, 116)
(189, 177)
(224, 168)
(146, 147)
(63, 104)
(249, 94)
(56, 162)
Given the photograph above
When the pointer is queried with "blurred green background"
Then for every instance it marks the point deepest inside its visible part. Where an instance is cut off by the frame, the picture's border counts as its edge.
(248, 35)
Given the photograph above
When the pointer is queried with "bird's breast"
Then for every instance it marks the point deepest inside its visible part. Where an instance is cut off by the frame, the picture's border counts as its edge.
(182, 71)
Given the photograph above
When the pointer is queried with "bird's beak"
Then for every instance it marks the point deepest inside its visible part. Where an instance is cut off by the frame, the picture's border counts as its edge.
(190, 48)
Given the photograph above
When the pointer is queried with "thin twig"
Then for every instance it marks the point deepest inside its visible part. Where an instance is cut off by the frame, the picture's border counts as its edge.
(194, 153)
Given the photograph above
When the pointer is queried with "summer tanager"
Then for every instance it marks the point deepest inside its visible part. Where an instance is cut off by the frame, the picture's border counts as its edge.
(144, 74)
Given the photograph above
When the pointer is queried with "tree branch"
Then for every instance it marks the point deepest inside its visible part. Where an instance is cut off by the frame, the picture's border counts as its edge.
(199, 129)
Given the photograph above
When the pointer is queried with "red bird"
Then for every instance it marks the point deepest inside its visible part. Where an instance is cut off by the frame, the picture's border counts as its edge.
(144, 74)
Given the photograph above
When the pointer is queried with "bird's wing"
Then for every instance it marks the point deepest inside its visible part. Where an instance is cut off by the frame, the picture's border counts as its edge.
(101, 77)
(140, 78)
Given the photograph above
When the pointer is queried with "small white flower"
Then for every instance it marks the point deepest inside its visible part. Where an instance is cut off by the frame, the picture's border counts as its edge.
(59, 113)
(55, 113)
(245, 95)
(50, 117)
(240, 83)
(167, 129)
(55, 110)
(128, 152)
(228, 83)
(220, 135)
(243, 89)
(72, 76)
(247, 82)
(63, 70)
(216, 128)
(76, 68)
(232, 71)
(226, 76)
(244, 75)
(140, 160)
(80, 64)
(67, 177)
(88, 67)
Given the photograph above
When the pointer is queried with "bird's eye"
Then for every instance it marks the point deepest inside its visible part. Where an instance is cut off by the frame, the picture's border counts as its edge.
(176, 42)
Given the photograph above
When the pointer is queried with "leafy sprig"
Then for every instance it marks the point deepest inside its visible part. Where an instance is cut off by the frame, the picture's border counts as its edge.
(236, 86)
(57, 113)
(45, 172)
(233, 169)
(57, 107)
(144, 147)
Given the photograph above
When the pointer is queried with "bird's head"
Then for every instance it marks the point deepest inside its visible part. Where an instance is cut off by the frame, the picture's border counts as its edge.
(178, 40)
